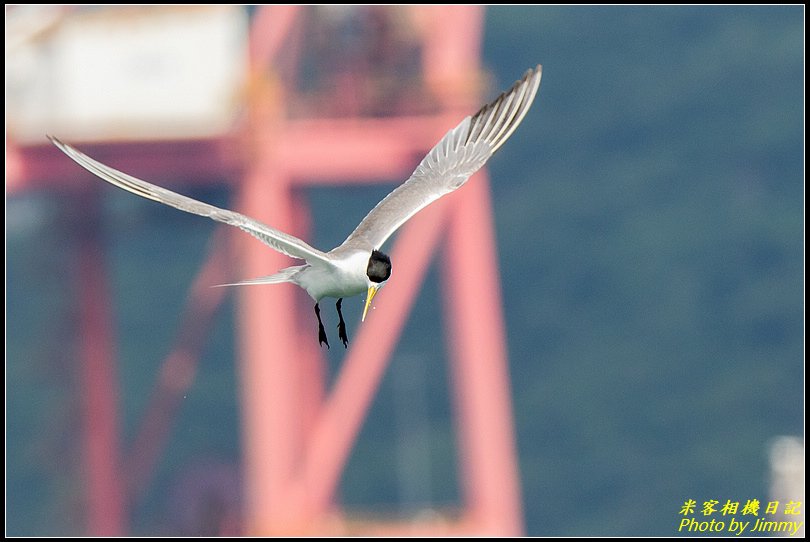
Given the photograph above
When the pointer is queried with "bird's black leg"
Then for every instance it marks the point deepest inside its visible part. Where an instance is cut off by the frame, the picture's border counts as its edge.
(321, 331)
(342, 326)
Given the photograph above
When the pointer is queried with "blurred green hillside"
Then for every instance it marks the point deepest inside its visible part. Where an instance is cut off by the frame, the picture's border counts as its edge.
(650, 222)
(656, 322)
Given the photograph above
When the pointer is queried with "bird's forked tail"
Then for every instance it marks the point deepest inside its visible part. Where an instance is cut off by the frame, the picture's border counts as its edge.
(285, 275)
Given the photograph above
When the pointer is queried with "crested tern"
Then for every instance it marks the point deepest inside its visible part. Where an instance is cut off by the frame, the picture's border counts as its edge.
(358, 265)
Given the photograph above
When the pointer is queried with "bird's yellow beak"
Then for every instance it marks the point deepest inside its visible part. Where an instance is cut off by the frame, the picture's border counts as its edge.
(372, 291)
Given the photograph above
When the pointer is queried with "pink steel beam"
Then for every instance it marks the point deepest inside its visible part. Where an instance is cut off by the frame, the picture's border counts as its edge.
(105, 492)
(312, 151)
(480, 367)
(291, 466)
(489, 475)
(15, 167)
(354, 151)
(270, 365)
(275, 25)
(202, 161)
(452, 51)
(342, 415)
(279, 497)
(272, 370)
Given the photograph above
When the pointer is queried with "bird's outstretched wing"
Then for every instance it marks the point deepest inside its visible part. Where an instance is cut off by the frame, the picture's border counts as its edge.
(459, 154)
(278, 240)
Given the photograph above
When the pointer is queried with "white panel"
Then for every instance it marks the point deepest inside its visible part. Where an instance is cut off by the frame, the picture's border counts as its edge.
(111, 73)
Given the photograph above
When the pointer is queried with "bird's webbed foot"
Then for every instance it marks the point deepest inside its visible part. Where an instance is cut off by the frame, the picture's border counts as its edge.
(321, 331)
(342, 325)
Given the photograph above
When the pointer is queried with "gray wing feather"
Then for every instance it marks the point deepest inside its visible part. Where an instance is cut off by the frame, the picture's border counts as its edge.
(459, 154)
(278, 240)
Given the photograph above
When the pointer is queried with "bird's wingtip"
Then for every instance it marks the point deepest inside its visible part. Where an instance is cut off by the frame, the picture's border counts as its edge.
(537, 70)
(55, 140)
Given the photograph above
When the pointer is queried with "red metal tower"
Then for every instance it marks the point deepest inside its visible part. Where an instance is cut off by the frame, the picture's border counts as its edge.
(298, 434)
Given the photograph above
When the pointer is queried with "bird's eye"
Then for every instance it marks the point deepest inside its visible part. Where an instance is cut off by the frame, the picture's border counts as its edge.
(379, 267)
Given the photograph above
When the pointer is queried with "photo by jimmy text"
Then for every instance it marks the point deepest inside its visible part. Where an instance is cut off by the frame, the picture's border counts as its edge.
(749, 521)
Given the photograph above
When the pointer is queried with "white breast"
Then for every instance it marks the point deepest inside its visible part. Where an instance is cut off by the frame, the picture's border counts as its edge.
(345, 277)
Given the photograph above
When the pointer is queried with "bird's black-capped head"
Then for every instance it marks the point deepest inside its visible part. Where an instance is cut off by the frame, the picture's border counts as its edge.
(379, 267)
(378, 271)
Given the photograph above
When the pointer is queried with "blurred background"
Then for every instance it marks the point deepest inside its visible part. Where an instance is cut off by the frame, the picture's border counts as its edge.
(649, 220)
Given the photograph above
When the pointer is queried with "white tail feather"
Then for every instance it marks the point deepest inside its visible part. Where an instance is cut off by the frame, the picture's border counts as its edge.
(285, 275)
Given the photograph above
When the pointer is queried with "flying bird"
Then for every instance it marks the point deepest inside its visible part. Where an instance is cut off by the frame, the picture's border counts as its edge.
(358, 265)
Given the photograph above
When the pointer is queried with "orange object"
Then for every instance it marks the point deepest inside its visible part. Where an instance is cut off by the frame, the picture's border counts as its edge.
(297, 434)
